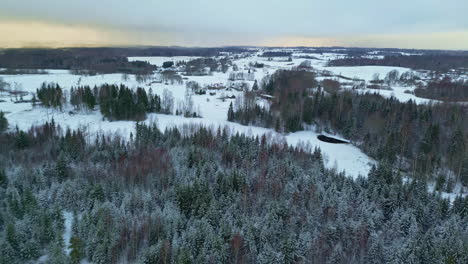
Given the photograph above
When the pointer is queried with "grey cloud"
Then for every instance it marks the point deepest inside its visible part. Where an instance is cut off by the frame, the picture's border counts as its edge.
(309, 18)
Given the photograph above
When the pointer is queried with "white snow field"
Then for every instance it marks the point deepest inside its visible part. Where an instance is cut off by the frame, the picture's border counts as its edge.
(343, 157)
(364, 72)
(399, 92)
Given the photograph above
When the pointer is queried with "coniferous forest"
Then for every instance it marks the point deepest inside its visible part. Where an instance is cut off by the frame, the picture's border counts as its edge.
(195, 195)
(422, 140)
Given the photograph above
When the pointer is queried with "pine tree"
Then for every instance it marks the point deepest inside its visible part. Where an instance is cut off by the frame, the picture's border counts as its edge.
(255, 86)
(88, 98)
(76, 246)
(11, 236)
(231, 115)
(61, 167)
(151, 101)
(428, 150)
(30, 249)
(22, 140)
(74, 98)
(464, 170)
(142, 98)
(8, 254)
(56, 252)
(46, 229)
(3, 179)
(34, 100)
(457, 151)
(29, 201)
(3, 122)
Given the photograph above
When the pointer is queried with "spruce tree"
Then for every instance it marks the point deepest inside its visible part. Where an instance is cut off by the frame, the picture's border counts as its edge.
(255, 86)
(76, 246)
(3, 122)
(22, 140)
(3, 179)
(89, 98)
(231, 115)
(61, 167)
(56, 253)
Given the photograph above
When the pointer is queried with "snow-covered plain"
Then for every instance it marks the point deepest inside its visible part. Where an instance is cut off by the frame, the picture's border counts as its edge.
(212, 109)
(402, 93)
(364, 72)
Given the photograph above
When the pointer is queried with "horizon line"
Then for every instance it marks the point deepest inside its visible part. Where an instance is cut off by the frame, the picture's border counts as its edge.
(51, 47)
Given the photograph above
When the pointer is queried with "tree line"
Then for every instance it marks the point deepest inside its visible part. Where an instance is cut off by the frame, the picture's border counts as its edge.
(91, 61)
(445, 89)
(116, 102)
(433, 62)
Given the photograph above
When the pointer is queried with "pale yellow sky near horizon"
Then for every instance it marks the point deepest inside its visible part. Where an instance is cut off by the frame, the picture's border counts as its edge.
(18, 34)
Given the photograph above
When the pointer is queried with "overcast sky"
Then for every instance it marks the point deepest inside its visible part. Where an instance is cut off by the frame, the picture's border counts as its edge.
(398, 23)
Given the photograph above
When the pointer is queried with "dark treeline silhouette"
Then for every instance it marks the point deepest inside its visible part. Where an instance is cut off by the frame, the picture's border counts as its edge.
(276, 54)
(419, 139)
(181, 51)
(197, 66)
(444, 90)
(357, 52)
(201, 196)
(22, 71)
(434, 62)
(91, 61)
(98, 60)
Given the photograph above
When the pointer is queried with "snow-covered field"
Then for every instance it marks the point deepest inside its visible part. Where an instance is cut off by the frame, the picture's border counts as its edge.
(399, 92)
(364, 72)
(212, 109)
